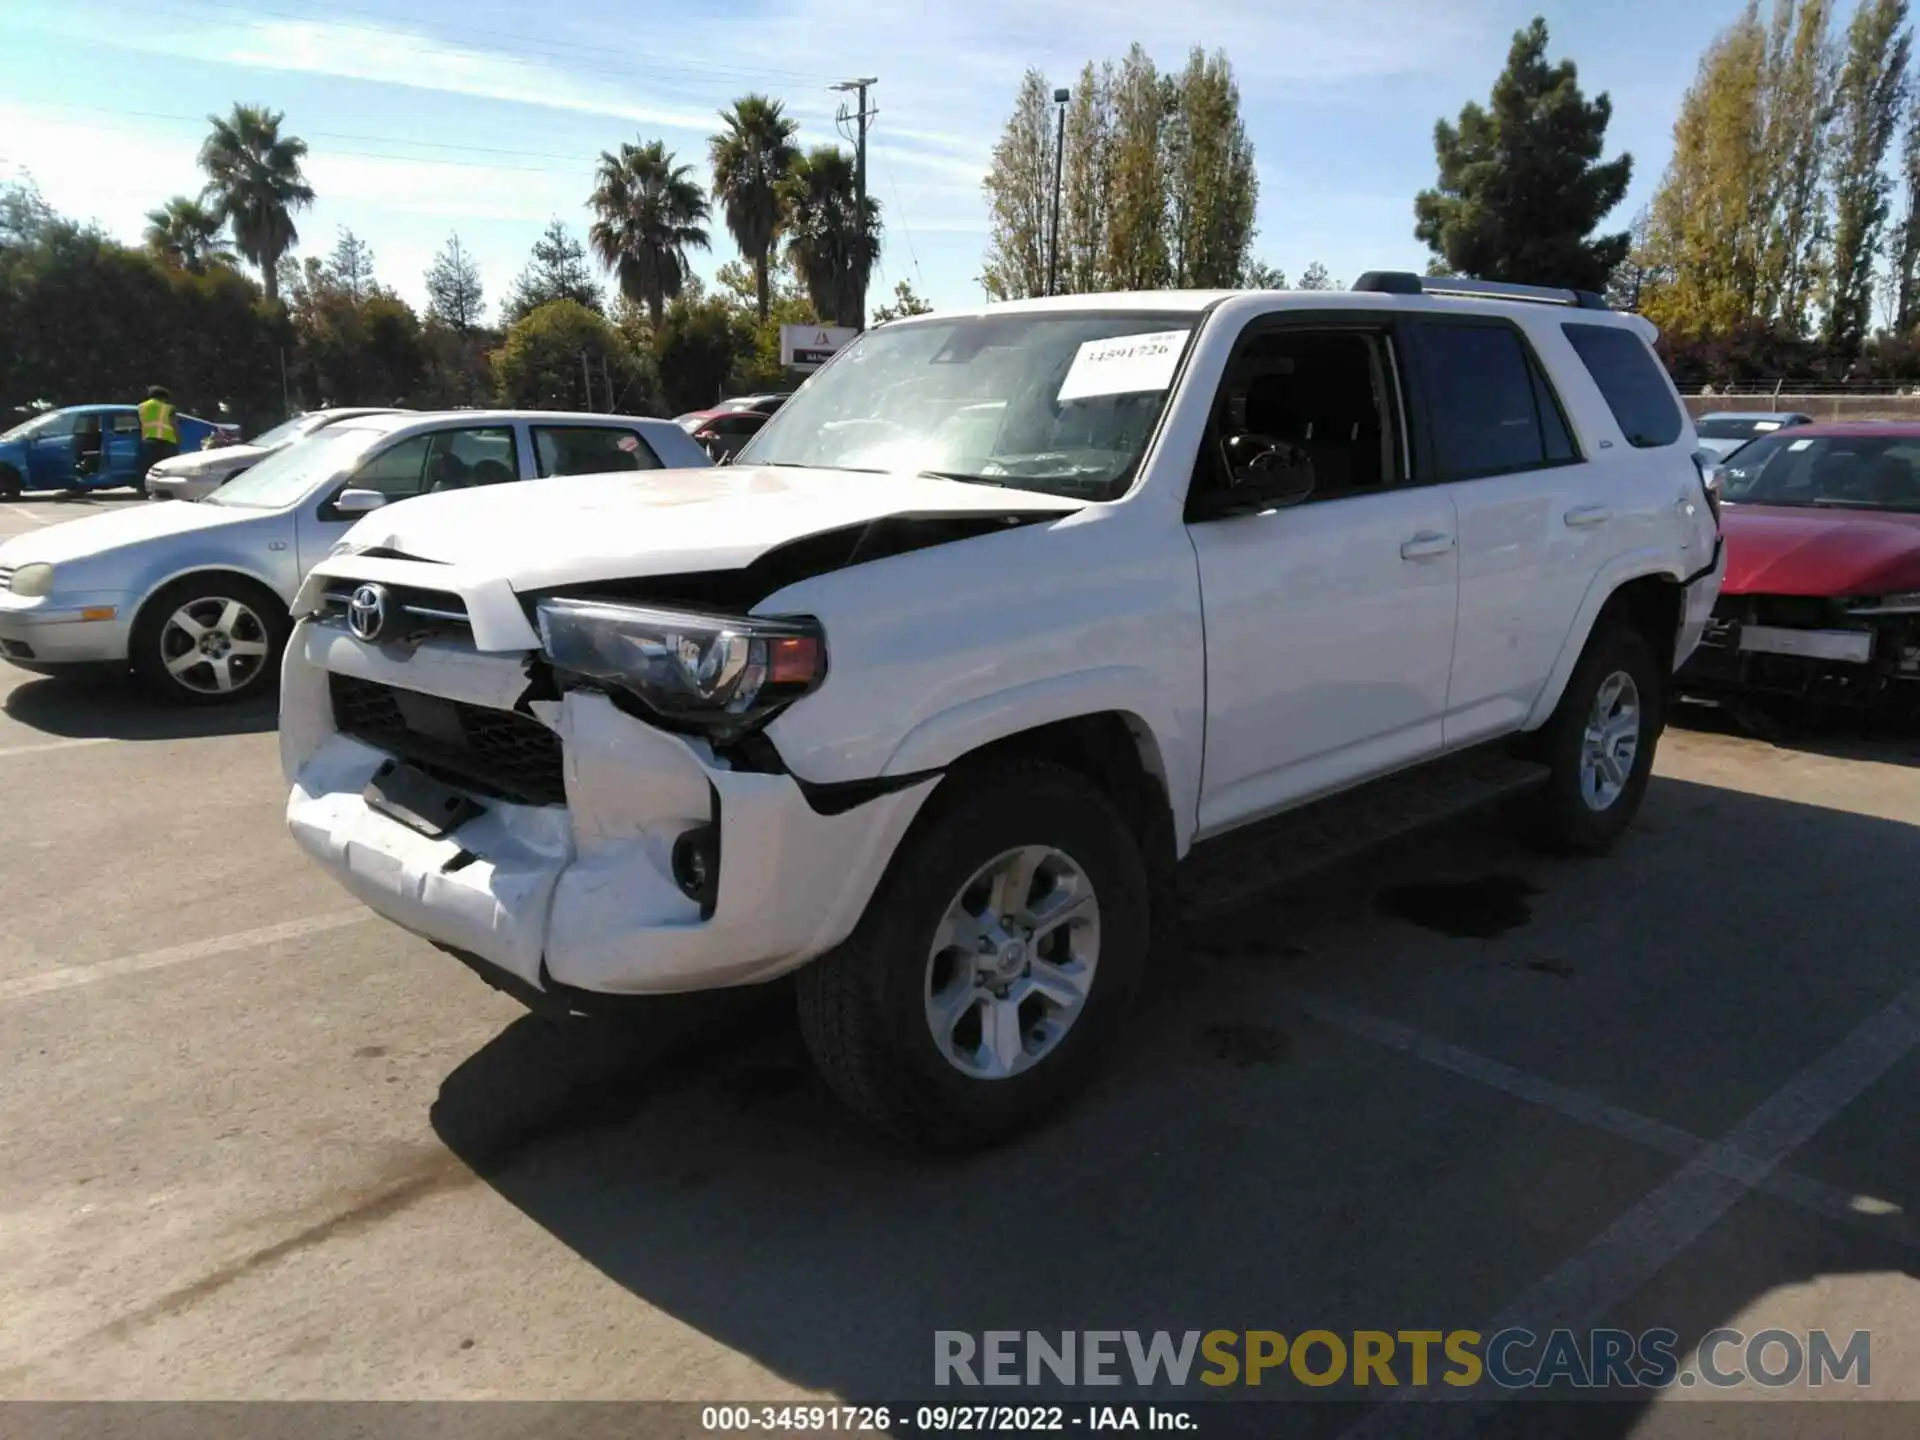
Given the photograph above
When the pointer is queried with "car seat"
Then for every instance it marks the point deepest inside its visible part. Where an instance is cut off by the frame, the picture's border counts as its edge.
(491, 472)
(449, 473)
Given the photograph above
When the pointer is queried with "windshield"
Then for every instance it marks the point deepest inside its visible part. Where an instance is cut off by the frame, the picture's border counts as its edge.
(1870, 472)
(54, 422)
(287, 476)
(1062, 403)
(1739, 427)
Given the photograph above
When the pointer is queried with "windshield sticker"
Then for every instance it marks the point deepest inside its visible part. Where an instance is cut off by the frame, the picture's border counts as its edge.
(629, 443)
(1124, 365)
(1799, 444)
(1762, 426)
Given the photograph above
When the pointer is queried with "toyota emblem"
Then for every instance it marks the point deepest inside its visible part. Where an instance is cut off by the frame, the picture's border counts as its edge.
(367, 611)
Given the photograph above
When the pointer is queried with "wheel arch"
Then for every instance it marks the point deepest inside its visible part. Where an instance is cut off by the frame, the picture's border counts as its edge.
(1120, 754)
(1646, 594)
(195, 572)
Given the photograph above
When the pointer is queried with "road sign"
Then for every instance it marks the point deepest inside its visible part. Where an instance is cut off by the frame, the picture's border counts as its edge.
(808, 347)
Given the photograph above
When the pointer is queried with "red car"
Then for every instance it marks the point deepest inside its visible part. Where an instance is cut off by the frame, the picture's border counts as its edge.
(1822, 595)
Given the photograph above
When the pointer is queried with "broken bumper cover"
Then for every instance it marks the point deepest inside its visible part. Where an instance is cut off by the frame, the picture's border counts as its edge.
(1770, 647)
(582, 895)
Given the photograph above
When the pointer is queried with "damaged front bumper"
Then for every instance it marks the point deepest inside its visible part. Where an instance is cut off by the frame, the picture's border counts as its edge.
(1805, 648)
(566, 879)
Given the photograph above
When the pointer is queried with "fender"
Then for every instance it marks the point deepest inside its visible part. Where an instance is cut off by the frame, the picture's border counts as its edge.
(224, 565)
(1131, 690)
(1634, 565)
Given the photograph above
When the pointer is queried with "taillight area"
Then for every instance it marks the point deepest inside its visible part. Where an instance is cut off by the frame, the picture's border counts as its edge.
(1710, 475)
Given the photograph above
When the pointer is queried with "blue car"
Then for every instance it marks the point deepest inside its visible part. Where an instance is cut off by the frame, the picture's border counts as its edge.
(83, 447)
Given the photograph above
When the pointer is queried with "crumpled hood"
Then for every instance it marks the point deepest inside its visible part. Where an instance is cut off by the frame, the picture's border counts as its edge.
(130, 524)
(540, 533)
(1785, 550)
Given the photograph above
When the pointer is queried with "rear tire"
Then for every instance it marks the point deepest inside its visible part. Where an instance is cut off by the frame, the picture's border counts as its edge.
(1599, 745)
(210, 640)
(10, 486)
(994, 966)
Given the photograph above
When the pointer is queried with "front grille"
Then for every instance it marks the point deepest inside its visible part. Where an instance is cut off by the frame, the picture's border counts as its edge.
(427, 609)
(492, 752)
(6, 577)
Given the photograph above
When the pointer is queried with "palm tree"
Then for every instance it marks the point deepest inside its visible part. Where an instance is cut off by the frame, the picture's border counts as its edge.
(828, 247)
(254, 183)
(651, 214)
(751, 158)
(186, 235)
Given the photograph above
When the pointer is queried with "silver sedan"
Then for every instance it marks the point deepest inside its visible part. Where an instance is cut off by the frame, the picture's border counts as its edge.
(194, 596)
(198, 473)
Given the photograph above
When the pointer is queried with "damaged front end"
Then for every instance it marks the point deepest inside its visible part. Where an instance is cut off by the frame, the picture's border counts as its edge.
(1860, 655)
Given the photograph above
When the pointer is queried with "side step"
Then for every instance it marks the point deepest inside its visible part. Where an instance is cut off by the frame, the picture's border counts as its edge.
(1232, 870)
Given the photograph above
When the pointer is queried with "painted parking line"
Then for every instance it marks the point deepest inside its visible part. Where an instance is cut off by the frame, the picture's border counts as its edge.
(1864, 1213)
(1579, 1292)
(69, 977)
(41, 747)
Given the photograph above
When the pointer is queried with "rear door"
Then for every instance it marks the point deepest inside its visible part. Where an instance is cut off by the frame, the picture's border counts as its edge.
(590, 450)
(1531, 510)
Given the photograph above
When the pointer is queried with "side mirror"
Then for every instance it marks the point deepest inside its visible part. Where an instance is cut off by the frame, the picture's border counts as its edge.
(1268, 471)
(358, 502)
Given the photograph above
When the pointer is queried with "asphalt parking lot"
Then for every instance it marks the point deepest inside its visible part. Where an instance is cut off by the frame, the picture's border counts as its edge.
(255, 1145)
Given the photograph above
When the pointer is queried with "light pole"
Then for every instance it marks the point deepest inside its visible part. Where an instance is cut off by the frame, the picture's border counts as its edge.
(1059, 155)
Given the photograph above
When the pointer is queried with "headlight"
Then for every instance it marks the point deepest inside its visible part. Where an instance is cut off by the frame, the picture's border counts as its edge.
(719, 674)
(1905, 604)
(32, 581)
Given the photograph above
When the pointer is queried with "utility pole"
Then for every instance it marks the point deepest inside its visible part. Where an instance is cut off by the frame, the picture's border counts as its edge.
(860, 119)
(586, 382)
(1060, 98)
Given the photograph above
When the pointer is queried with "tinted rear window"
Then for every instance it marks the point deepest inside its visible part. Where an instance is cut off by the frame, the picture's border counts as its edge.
(1631, 380)
(1485, 403)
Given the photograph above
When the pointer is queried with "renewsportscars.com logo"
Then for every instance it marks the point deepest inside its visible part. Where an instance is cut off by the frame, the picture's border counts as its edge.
(1513, 1359)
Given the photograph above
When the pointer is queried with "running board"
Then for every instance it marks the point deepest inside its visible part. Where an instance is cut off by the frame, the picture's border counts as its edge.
(1234, 869)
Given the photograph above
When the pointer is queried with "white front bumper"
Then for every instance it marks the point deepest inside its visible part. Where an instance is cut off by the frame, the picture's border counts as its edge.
(582, 893)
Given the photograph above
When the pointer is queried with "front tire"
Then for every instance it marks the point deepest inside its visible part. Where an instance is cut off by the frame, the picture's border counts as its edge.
(10, 484)
(994, 965)
(210, 640)
(1599, 745)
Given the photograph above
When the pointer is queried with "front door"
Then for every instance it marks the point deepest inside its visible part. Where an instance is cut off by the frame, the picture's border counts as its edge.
(1329, 622)
(457, 457)
(120, 448)
(50, 455)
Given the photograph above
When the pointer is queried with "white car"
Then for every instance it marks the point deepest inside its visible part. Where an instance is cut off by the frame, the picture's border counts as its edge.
(194, 597)
(196, 474)
(939, 695)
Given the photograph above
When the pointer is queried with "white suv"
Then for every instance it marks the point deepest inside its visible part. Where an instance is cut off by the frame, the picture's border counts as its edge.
(945, 694)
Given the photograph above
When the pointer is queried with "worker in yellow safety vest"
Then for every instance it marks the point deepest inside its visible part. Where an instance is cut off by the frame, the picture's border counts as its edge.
(159, 436)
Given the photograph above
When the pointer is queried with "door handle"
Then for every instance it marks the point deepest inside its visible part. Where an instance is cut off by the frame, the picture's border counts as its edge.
(1583, 517)
(1426, 545)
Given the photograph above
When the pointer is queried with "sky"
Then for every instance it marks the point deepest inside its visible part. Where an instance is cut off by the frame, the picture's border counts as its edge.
(485, 117)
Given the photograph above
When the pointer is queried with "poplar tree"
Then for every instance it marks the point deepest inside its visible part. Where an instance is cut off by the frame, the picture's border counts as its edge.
(1212, 189)
(1868, 102)
(1019, 188)
(1137, 212)
(1089, 168)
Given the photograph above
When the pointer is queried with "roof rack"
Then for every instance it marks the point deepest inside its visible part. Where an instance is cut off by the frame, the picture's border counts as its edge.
(1405, 282)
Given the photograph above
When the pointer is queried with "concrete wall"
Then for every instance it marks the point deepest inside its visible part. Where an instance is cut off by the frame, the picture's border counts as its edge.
(1821, 407)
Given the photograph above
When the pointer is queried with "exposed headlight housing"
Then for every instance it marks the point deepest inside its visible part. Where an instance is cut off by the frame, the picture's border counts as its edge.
(721, 675)
(30, 582)
(1903, 604)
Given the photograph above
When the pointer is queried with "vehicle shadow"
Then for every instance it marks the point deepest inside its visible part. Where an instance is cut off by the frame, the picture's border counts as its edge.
(112, 707)
(1891, 740)
(1242, 1165)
